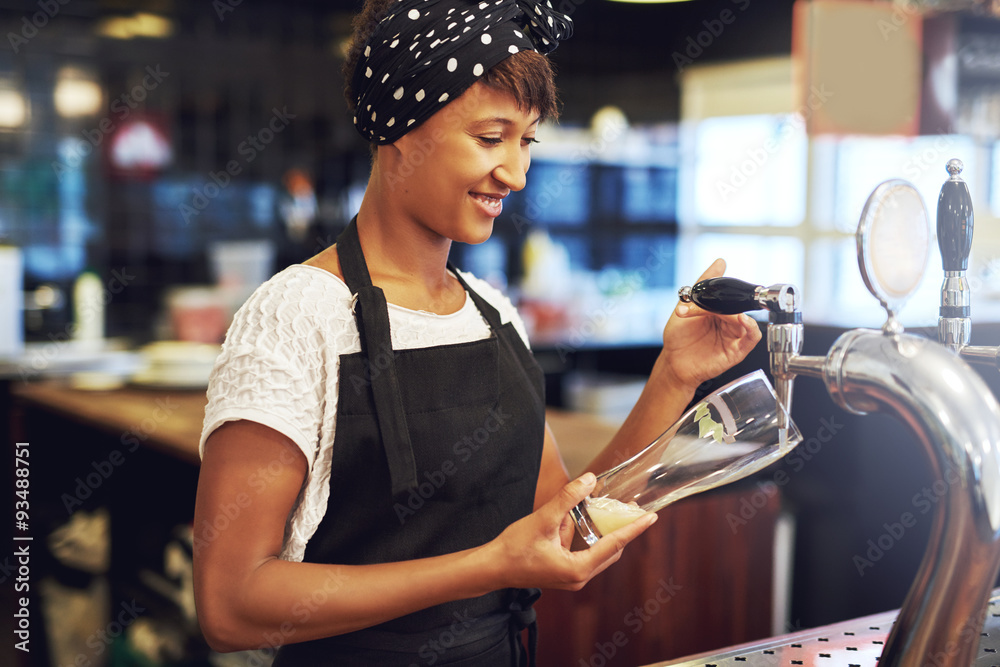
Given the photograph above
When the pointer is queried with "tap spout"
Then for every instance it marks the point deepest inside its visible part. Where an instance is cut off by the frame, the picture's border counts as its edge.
(956, 419)
(981, 354)
(784, 345)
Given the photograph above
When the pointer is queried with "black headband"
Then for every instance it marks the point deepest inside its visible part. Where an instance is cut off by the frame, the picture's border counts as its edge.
(426, 53)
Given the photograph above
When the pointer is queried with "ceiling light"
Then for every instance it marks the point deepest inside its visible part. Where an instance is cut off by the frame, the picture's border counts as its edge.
(13, 108)
(76, 93)
(139, 24)
(649, 2)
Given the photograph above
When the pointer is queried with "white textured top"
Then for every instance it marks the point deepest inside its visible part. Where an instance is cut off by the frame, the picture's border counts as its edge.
(279, 367)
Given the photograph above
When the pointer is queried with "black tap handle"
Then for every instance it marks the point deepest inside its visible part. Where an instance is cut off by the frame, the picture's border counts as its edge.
(955, 220)
(726, 296)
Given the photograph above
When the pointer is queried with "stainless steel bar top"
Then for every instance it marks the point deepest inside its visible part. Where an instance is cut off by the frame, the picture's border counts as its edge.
(853, 643)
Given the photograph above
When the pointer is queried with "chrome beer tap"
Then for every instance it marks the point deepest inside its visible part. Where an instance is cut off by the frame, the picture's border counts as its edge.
(950, 409)
(955, 223)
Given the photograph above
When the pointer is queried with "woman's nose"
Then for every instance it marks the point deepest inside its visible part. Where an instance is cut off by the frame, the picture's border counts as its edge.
(513, 168)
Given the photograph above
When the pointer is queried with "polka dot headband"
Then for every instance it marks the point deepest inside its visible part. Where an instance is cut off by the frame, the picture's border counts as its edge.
(426, 53)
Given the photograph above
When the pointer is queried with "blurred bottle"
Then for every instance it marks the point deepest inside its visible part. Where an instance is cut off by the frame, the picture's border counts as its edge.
(547, 272)
(11, 300)
(88, 309)
(546, 287)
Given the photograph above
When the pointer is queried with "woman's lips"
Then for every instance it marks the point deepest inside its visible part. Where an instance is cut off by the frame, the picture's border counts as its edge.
(492, 205)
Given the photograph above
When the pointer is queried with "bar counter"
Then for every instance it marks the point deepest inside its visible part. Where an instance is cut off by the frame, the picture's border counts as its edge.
(171, 421)
(167, 421)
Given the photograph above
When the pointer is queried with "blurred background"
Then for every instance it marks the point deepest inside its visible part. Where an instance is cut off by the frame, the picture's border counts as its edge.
(167, 141)
(159, 160)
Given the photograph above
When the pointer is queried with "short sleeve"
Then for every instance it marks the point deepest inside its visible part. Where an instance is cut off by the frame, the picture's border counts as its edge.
(272, 367)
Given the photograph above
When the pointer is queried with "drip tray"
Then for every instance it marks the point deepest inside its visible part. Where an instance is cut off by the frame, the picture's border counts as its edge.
(855, 643)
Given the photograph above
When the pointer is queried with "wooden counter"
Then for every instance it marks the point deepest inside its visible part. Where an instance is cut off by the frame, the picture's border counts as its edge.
(171, 421)
(168, 421)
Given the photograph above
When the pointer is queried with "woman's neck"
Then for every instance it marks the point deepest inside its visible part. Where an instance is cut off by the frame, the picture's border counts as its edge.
(397, 247)
(407, 260)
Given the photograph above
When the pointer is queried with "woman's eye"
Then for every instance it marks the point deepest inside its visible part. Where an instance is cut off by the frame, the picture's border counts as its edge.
(493, 141)
(529, 140)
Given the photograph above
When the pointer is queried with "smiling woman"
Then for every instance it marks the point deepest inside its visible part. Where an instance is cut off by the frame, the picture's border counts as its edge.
(419, 489)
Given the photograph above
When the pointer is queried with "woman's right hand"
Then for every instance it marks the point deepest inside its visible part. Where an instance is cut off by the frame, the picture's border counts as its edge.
(535, 551)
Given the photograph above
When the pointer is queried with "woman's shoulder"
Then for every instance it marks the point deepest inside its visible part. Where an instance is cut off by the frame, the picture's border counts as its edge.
(294, 301)
(306, 286)
(316, 281)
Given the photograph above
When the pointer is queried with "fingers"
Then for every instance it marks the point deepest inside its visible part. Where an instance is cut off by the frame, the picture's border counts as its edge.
(741, 333)
(740, 320)
(683, 309)
(607, 549)
(740, 325)
(753, 334)
(550, 562)
(715, 270)
(570, 496)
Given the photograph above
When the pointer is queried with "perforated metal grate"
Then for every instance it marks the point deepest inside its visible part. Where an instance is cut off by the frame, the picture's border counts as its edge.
(854, 643)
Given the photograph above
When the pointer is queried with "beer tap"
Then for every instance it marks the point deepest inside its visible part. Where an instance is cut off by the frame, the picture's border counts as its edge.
(950, 409)
(955, 222)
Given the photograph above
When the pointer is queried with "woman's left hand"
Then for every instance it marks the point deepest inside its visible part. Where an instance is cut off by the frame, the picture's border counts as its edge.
(699, 345)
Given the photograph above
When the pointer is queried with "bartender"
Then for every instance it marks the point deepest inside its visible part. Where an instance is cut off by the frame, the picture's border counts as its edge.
(375, 437)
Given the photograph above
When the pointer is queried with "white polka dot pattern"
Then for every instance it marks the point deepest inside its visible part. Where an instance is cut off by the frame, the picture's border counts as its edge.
(279, 367)
(462, 40)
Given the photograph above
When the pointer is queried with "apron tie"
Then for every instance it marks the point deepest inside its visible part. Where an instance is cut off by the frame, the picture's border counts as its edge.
(522, 615)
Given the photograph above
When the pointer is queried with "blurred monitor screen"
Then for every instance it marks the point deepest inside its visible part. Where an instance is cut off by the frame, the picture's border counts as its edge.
(557, 193)
(650, 194)
(995, 181)
(750, 171)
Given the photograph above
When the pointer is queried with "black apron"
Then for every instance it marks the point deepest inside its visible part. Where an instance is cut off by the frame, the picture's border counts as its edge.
(436, 450)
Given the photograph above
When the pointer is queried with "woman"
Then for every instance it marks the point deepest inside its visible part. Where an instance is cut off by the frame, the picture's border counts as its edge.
(378, 484)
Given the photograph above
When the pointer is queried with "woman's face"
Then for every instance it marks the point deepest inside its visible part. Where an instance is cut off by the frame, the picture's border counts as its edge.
(450, 174)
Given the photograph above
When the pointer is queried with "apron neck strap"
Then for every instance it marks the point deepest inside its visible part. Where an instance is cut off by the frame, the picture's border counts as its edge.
(372, 315)
(489, 313)
(352, 259)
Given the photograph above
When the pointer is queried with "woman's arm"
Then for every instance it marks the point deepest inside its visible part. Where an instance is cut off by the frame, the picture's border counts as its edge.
(552, 474)
(246, 597)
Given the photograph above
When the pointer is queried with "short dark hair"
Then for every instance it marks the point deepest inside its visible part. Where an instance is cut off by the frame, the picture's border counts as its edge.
(527, 76)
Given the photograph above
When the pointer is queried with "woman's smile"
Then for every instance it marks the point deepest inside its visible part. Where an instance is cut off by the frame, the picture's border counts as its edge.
(491, 204)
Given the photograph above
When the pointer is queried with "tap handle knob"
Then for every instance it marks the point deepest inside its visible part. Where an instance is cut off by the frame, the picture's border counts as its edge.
(725, 296)
(955, 220)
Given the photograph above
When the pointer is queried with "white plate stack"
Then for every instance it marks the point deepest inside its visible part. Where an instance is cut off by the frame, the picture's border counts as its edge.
(176, 365)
